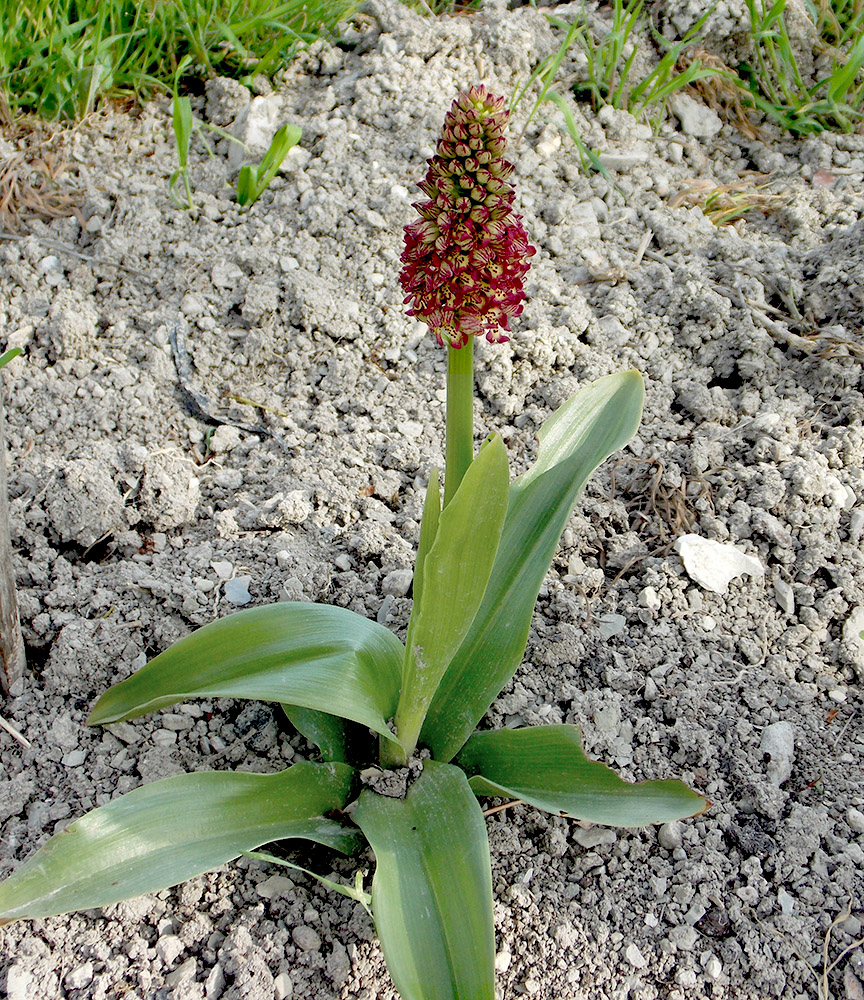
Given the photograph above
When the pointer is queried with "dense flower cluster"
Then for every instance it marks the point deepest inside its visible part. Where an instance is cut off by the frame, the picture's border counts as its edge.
(465, 259)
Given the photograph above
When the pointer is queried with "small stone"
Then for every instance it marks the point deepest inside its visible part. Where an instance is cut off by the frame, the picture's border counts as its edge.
(164, 738)
(683, 937)
(855, 819)
(342, 562)
(79, 977)
(397, 583)
(777, 747)
(306, 938)
(237, 590)
(75, 758)
(18, 983)
(215, 983)
(275, 886)
(786, 901)
(650, 691)
(784, 596)
(748, 894)
(696, 118)
(224, 439)
(124, 731)
(169, 947)
(635, 957)
(51, 270)
(713, 967)
(649, 598)
(225, 274)
(295, 159)
(837, 695)
(686, 978)
(175, 721)
(712, 564)
(184, 973)
(611, 625)
(852, 646)
(669, 835)
(283, 987)
(502, 961)
(596, 836)
(621, 160)
(193, 305)
(255, 127)
(222, 569)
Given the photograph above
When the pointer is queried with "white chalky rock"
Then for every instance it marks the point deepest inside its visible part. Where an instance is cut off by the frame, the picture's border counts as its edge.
(695, 118)
(855, 819)
(778, 749)
(635, 957)
(237, 590)
(255, 127)
(611, 624)
(712, 564)
(852, 648)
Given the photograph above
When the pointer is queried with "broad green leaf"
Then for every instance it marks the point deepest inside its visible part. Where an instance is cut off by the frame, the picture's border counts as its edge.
(326, 731)
(432, 891)
(310, 655)
(428, 532)
(545, 766)
(581, 433)
(171, 830)
(455, 573)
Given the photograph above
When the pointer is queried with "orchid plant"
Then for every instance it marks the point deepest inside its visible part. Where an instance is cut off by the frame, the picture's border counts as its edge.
(402, 761)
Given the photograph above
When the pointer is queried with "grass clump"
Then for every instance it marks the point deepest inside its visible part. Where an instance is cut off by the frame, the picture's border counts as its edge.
(59, 59)
(779, 88)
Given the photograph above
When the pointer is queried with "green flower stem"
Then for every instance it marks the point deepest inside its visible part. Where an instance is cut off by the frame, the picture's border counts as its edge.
(460, 416)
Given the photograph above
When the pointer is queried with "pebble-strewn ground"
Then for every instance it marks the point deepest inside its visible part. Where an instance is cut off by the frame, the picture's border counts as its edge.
(135, 520)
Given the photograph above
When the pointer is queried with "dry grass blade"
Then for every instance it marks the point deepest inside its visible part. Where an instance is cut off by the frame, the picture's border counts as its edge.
(724, 203)
(32, 182)
(721, 91)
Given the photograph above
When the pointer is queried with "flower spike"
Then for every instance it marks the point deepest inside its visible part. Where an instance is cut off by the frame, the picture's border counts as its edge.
(466, 257)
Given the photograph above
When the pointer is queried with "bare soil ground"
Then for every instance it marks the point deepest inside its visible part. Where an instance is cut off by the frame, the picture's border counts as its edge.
(137, 518)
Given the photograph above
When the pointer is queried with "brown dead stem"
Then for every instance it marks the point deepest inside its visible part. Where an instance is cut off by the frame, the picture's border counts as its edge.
(724, 203)
(36, 185)
(719, 91)
(658, 513)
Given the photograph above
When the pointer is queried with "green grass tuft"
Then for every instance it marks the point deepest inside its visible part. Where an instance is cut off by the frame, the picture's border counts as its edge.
(60, 59)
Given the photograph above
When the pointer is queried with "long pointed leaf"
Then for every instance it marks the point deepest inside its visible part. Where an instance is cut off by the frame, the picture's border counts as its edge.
(432, 891)
(326, 731)
(168, 831)
(455, 573)
(310, 655)
(583, 432)
(545, 765)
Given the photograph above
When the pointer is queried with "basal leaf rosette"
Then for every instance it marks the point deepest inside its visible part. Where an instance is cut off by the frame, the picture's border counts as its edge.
(466, 257)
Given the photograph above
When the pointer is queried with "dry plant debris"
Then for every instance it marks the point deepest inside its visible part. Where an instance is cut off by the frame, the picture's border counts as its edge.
(724, 203)
(721, 91)
(35, 181)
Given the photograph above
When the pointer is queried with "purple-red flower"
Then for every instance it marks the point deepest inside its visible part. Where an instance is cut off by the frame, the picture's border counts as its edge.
(466, 257)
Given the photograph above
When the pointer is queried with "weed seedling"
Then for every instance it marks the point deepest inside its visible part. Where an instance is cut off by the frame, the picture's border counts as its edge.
(254, 180)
